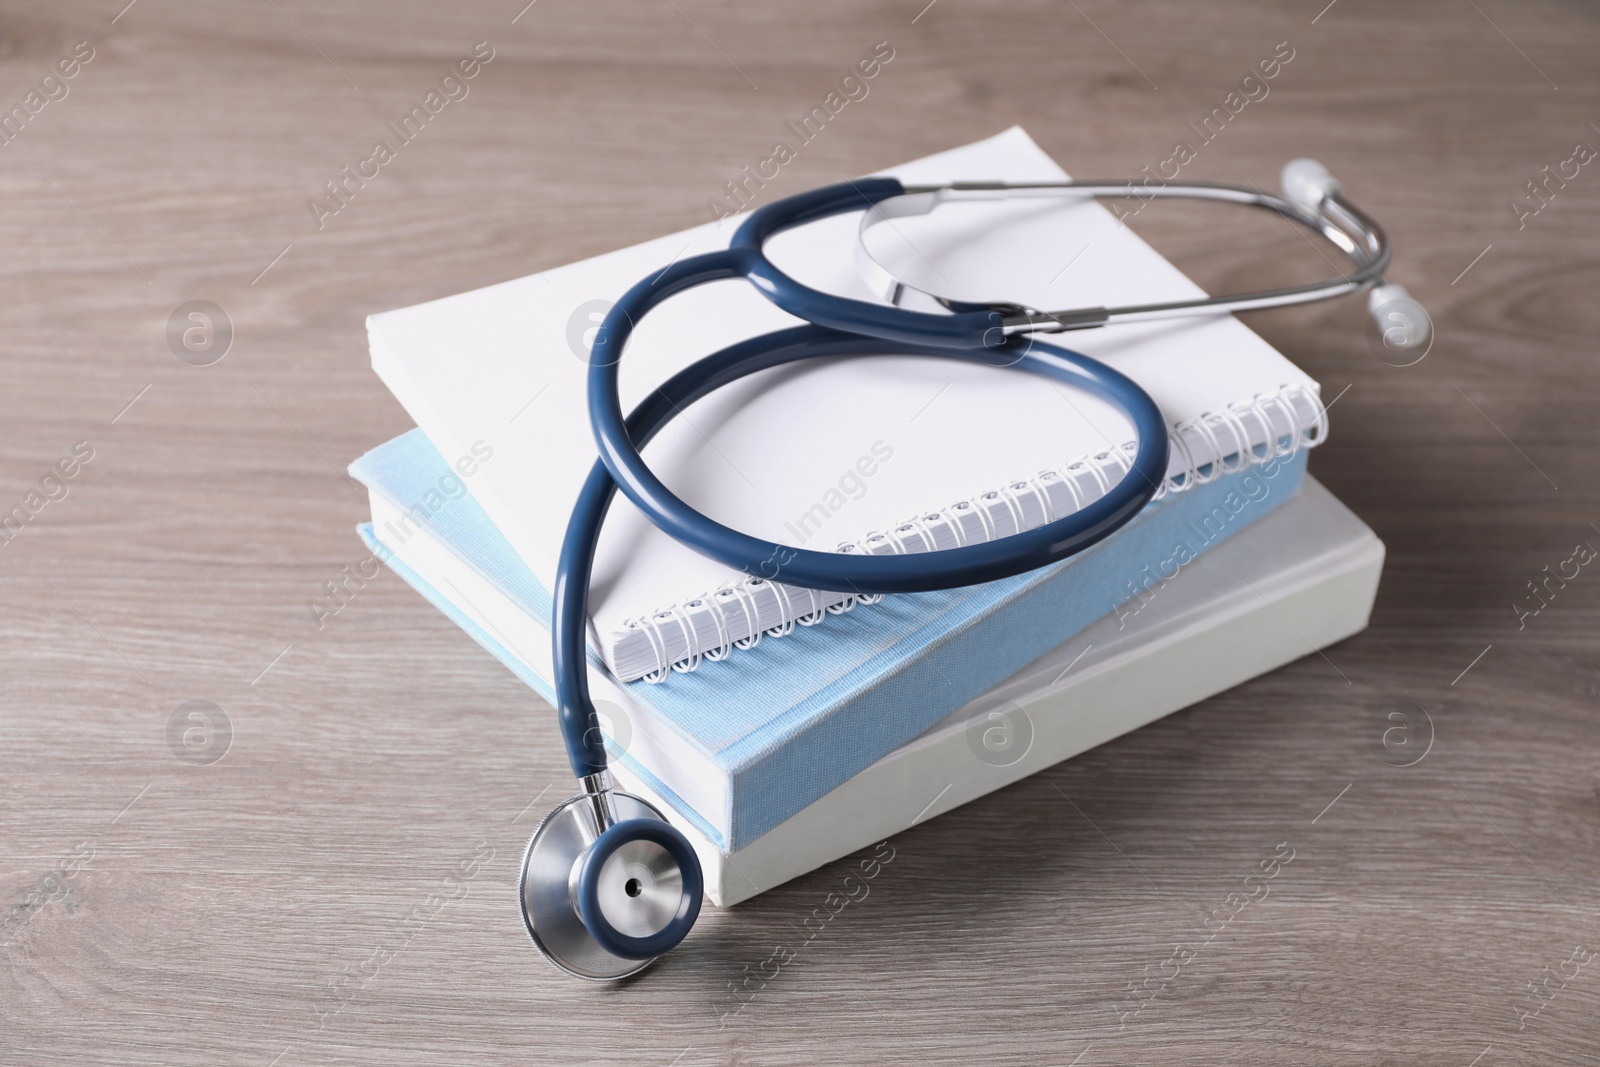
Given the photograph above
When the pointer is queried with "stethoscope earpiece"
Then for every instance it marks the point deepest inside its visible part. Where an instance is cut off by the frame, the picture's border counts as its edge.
(1308, 183)
(1403, 324)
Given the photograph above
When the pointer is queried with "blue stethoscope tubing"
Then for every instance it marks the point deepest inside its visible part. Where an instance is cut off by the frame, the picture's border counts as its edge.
(839, 327)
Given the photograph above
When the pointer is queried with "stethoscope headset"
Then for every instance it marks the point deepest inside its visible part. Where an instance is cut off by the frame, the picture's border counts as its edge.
(607, 884)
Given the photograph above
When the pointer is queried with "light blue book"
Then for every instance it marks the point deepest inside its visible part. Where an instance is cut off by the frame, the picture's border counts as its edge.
(743, 743)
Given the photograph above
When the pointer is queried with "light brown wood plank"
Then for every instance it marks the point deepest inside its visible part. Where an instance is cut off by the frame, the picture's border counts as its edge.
(230, 912)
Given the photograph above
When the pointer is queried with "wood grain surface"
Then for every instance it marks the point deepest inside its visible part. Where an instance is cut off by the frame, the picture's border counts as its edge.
(338, 886)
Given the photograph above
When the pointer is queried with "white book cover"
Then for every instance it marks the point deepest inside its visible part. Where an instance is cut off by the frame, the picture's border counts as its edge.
(827, 453)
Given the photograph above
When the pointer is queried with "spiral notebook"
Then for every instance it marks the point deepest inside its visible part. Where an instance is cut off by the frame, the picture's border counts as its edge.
(879, 455)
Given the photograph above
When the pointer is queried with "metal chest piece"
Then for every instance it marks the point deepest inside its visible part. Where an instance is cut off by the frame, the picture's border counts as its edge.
(639, 887)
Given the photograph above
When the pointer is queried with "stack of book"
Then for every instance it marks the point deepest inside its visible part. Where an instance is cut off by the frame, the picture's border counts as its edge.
(781, 728)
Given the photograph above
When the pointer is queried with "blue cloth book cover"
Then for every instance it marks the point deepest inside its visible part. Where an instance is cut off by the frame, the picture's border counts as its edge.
(782, 724)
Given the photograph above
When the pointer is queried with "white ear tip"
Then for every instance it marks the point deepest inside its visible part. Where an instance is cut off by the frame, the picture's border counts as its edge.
(1308, 183)
(1402, 321)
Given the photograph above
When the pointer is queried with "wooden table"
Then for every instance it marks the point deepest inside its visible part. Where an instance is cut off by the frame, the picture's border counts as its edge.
(339, 886)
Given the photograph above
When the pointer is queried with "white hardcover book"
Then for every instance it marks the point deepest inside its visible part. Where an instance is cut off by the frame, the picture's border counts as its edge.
(1301, 579)
(840, 452)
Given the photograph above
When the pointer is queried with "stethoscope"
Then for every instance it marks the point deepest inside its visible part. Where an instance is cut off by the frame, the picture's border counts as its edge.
(607, 883)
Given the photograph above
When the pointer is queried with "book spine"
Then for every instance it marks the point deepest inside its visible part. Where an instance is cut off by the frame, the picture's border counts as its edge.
(740, 613)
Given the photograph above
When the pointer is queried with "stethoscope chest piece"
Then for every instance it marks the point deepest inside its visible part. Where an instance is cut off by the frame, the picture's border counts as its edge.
(598, 903)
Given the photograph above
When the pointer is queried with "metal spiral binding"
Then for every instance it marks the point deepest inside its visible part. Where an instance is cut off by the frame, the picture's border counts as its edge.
(786, 612)
(1084, 480)
(657, 645)
(719, 619)
(691, 638)
(747, 602)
